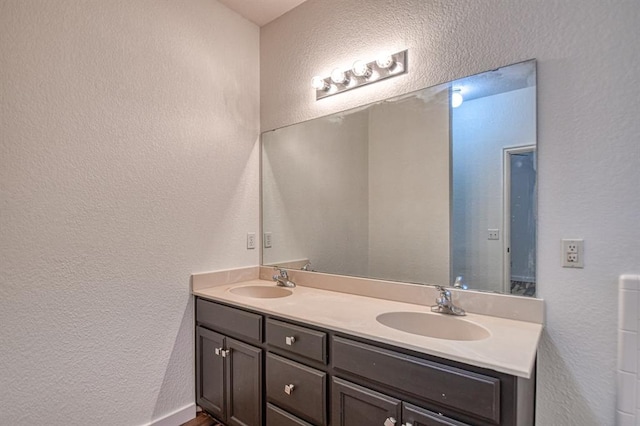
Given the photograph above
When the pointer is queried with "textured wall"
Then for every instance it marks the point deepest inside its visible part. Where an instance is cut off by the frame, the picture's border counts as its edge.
(588, 135)
(128, 161)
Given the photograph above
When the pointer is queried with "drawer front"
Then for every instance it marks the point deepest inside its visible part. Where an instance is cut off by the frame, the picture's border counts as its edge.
(234, 322)
(353, 405)
(464, 391)
(417, 416)
(278, 417)
(307, 398)
(302, 341)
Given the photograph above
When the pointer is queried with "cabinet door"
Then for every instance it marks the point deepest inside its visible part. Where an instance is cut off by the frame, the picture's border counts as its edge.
(210, 380)
(417, 416)
(354, 405)
(244, 373)
(279, 417)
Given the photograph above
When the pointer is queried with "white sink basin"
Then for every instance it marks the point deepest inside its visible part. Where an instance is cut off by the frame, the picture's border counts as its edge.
(261, 292)
(435, 325)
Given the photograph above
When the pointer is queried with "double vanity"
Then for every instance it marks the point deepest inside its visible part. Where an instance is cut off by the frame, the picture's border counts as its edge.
(269, 355)
(356, 205)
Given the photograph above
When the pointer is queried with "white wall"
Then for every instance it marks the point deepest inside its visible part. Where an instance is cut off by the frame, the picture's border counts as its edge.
(588, 136)
(128, 161)
(481, 129)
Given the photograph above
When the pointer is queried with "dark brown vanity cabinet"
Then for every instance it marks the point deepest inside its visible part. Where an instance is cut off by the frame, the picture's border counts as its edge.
(296, 376)
(228, 375)
(254, 369)
(355, 405)
(411, 390)
(299, 389)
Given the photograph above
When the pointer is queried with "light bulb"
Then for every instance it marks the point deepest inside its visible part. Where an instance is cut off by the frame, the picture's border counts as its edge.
(318, 83)
(361, 69)
(456, 99)
(385, 61)
(339, 77)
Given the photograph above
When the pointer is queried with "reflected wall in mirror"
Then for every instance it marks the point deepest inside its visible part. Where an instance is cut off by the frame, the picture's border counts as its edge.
(412, 189)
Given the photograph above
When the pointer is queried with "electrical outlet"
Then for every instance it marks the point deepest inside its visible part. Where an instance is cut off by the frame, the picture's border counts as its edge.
(493, 234)
(267, 240)
(251, 240)
(573, 253)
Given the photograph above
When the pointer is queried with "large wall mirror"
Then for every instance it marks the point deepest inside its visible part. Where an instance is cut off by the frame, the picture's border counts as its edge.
(436, 186)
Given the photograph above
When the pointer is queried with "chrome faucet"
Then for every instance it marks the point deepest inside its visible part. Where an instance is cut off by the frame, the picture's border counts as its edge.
(458, 283)
(444, 304)
(282, 278)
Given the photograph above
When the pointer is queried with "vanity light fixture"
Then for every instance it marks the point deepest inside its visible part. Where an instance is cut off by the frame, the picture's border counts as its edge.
(360, 74)
(361, 69)
(339, 77)
(384, 60)
(318, 83)
(456, 97)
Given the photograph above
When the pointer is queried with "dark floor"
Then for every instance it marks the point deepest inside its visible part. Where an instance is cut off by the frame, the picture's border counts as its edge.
(523, 288)
(202, 419)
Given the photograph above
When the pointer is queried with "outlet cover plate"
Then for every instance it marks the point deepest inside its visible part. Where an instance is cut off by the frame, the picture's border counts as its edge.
(251, 240)
(573, 253)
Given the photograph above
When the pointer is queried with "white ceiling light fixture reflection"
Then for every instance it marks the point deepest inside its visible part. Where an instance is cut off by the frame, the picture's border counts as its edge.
(456, 98)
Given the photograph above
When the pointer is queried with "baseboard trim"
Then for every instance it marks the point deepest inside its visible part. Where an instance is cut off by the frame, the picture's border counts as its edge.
(176, 418)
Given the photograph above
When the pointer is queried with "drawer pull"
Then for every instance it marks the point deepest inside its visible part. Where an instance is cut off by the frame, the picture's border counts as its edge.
(290, 340)
(288, 389)
(407, 424)
(390, 421)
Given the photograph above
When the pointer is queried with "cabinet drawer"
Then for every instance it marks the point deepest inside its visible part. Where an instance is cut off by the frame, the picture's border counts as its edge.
(307, 399)
(465, 391)
(278, 417)
(417, 416)
(234, 322)
(302, 341)
(353, 405)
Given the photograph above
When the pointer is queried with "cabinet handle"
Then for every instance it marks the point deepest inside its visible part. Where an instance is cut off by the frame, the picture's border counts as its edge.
(290, 340)
(407, 424)
(221, 352)
(288, 389)
(390, 421)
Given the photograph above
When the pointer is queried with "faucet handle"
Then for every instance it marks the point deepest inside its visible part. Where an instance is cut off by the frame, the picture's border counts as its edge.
(281, 272)
(443, 291)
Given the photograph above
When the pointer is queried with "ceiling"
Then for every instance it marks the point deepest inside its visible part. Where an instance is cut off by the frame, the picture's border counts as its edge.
(261, 12)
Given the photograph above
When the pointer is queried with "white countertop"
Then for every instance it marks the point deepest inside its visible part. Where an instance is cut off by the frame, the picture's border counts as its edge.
(511, 347)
